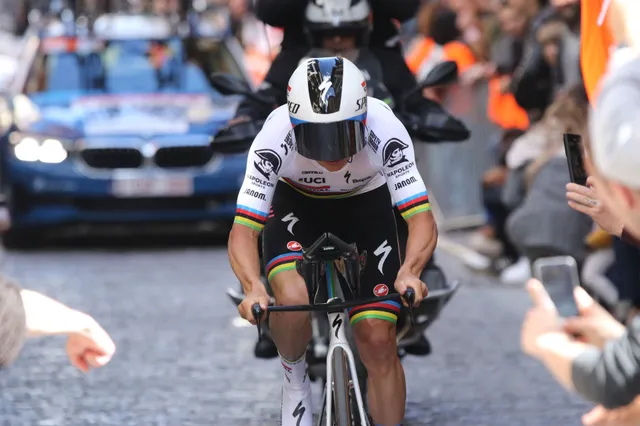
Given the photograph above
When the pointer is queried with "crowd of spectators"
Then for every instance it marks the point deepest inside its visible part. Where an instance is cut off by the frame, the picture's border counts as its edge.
(528, 53)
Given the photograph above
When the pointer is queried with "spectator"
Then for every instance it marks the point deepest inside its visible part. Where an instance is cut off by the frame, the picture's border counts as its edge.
(492, 240)
(607, 374)
(561, 52)
(542, 224)
(26, 313)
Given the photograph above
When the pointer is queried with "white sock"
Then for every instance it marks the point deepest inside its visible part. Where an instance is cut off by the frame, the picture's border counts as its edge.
(295, 372)
(296, 394)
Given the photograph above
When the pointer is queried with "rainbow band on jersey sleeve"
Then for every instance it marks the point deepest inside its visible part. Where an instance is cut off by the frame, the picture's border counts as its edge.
(284, 262)
(386, 311)
(252, 218)
(414, 205)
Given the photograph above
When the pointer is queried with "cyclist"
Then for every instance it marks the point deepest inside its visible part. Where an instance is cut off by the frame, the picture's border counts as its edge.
(330, 151)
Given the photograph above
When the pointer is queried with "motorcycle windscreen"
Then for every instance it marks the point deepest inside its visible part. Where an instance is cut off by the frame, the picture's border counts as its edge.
(329, 141)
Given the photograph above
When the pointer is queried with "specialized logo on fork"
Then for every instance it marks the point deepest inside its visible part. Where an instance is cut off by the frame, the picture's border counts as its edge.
(299, 412)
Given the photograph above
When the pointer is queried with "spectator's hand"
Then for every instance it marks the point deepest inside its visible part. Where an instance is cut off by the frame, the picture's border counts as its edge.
(562, 3)
(494, 176)
(595, 325)
(91, 347)
(585, 200)
(623, 416)
(541, 321)
(474, 74)
(505, 83)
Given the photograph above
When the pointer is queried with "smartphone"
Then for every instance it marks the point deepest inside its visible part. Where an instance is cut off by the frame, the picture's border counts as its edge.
(575, 160)
(559, 275)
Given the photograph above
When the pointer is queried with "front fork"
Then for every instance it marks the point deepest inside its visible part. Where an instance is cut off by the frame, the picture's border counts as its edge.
(339, 340)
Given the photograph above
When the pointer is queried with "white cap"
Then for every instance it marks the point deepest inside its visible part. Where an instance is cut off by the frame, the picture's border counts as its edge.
(615, 125)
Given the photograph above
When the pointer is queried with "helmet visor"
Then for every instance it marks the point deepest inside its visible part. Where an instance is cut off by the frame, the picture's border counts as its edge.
(329, 141)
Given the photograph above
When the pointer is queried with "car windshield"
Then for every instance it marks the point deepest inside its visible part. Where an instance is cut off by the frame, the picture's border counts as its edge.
(122, 66)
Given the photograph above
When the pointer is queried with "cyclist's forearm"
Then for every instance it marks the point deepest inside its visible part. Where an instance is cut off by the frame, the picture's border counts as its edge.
(244, 257)
(45, 316)
(421, 243)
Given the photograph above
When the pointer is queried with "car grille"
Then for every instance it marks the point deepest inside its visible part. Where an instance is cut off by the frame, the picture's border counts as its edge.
(183, 156)
(112, 158)
(131, 158)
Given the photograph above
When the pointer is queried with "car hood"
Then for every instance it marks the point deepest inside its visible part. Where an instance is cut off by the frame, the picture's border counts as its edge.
(134, 115)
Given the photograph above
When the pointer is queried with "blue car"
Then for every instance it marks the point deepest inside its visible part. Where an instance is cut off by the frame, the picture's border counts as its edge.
(114, 128)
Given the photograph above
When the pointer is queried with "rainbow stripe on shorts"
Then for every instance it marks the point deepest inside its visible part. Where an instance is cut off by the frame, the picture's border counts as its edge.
(413, 205)
(386, 311)
(284, 262)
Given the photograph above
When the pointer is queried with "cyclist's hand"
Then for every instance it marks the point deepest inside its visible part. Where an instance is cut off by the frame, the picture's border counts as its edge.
(257, 295)
(90, 347)
(407, 280)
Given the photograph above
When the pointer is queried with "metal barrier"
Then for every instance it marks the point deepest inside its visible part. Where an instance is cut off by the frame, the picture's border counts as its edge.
(453, 171)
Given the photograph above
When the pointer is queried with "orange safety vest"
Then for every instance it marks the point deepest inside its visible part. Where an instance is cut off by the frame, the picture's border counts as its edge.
(455, 51)
(419, 53)
(595, 42)
(503, 110)
(460, 53)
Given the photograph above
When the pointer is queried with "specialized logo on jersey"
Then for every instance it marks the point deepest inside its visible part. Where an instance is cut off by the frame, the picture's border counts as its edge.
(324, 76)
(381, 290)
(294, 246)
(393, 152)
(383, 251)
(268, 162)
(292, 220)
(347, 176)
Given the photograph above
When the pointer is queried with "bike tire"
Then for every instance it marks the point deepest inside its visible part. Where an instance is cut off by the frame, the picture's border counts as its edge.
(341, 389)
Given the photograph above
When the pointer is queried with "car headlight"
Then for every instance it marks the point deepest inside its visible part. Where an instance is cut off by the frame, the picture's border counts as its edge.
(45, 150)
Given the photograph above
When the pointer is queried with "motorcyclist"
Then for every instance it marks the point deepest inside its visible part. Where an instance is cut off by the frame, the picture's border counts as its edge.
(303, 21)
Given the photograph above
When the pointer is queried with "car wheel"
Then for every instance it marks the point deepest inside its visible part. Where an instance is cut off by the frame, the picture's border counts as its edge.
(21, 239)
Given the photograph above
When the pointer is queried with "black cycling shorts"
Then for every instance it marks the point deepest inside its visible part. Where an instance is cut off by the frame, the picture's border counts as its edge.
(296, 220)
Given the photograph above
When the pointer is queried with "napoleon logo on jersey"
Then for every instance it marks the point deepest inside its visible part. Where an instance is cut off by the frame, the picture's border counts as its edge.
(393, 152)
(268, 162)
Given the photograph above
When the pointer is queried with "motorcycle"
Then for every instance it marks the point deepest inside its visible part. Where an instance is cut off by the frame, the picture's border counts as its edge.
(410, 335)
(426, 124)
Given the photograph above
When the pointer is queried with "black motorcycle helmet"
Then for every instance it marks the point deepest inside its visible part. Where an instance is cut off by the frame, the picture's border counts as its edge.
(327, 18)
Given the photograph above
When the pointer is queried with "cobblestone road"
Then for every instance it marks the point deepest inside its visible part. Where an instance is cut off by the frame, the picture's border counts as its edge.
(181, 362)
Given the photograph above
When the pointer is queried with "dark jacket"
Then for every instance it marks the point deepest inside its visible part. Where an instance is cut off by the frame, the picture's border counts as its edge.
(611, 376)
(289, 15)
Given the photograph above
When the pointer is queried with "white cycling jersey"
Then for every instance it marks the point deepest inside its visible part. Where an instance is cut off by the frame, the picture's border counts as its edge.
(388, 157)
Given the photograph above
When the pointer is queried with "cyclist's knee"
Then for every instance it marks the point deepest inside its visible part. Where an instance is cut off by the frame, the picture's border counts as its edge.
(376, 342)
(289, 289)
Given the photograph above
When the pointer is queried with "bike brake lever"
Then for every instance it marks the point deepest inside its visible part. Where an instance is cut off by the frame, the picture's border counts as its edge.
(410, 296)
(256, 311)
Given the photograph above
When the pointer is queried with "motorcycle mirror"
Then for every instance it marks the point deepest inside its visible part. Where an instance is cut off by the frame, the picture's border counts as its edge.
(228, 84)
(444, 73)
